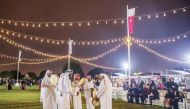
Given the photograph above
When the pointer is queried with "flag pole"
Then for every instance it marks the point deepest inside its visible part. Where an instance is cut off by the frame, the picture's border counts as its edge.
(18, 67)
(69, 53)
(129, 49)
(69, 58)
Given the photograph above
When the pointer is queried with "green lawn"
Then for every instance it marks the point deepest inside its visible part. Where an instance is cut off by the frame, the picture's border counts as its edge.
(29, 99)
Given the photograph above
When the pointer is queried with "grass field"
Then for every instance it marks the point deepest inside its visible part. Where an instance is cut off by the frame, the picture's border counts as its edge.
(29, 99)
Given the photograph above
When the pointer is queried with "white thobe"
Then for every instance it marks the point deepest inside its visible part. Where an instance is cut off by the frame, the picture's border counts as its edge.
(87, 93)
(77, 101)
(65, 93)
(48, 94)
(105, 95)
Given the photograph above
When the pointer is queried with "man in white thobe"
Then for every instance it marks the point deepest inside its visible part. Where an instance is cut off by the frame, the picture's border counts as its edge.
(104, 93)
(60, 91)
(88, 88)
(48, 94)
(77, 100)
(65, 91)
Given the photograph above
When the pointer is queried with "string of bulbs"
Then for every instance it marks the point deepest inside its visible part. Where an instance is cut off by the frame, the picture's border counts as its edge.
(160, 55)
(40, 39)
(26, 59)
(94, 65)
(163, 40)
(88, 22)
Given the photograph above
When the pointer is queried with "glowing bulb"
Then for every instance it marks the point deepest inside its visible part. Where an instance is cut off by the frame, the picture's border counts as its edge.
(9, 22)
(184, 36)
(184, 9)
(80, 24)
(2, 22)
(164, 14)
(33, 25)
(97, 22)
(122, 22)
(106, 22)
(174, 11)
(16, 24)
(7, 32)
(71, 24)
(22, 24)
(39, 25)
(62, 24)
(88, 23)
(156, 16)
(54, 24)
(149, 16)
(47, 25)
(115, 21)
(140, 18)
(27, 24)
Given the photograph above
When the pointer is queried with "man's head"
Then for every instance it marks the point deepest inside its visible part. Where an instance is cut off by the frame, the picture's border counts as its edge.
(98, 76)
(49, 73)
(70, 74)
(88, 77)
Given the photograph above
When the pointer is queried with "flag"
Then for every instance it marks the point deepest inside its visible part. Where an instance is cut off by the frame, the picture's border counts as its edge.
(19, 55)
(131, 14)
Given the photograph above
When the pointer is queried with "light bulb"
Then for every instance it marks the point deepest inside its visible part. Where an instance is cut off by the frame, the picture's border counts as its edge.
(122, 22)
(174, 11)
(184, 9)
(140, 18)
(149, 16)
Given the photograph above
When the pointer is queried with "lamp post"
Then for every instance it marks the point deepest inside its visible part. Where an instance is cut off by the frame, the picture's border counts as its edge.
(126, 66)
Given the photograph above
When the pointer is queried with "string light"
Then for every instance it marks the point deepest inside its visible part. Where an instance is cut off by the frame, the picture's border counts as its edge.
(8, 64)
(16, 44)
(164, 40)
(160, 55)
(28, 59)
(114, 49)
(95, 65)
(55, 24)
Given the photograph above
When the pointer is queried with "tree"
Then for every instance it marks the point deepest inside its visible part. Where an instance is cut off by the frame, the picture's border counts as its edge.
(32, 75)
(13, 74)
(42, 74)
(10, 74)
(95, 71)
(75, 67)
(4, 74)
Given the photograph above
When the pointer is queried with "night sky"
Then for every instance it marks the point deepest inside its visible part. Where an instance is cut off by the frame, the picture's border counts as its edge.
(76, 10)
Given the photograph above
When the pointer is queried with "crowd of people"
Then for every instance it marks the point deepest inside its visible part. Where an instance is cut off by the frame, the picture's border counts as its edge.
(71, 85)
(145, 93)
(12, 82)
(98, 89)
